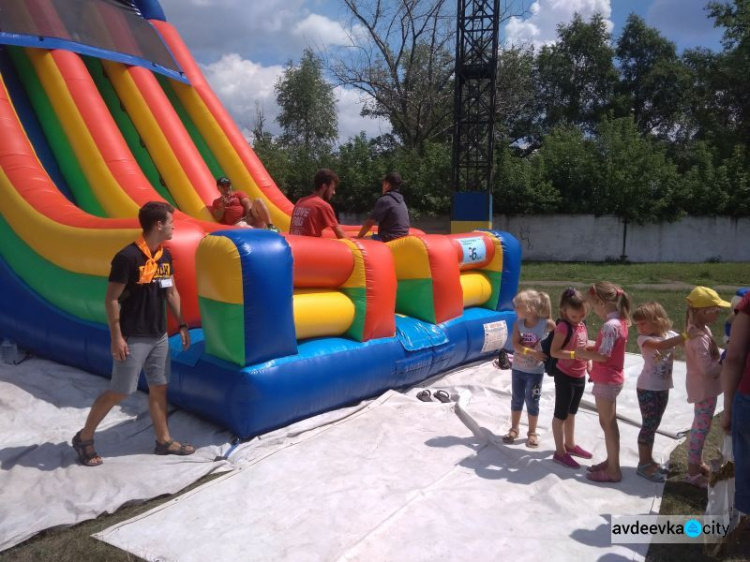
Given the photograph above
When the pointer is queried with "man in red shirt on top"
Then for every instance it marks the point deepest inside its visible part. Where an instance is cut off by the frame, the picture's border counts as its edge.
(236, 208)
(313, 213)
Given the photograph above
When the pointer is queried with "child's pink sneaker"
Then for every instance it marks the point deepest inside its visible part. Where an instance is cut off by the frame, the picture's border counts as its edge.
(565, 460)
(578, 451)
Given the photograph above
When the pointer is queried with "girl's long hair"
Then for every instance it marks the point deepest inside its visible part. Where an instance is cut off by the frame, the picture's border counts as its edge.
(612, 294)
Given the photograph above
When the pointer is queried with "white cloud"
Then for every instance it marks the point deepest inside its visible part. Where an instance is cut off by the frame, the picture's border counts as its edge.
(349, 104)
(252, 29)
(540, 28)
(243, 47)
(320, 31)
(242, 85)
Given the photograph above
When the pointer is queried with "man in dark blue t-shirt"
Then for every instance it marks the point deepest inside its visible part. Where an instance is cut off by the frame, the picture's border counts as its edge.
(390, 212)
(141, 286)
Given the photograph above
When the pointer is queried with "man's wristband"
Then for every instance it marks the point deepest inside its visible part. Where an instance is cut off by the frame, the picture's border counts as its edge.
(525, 351)
(572, 354)
(685, 336)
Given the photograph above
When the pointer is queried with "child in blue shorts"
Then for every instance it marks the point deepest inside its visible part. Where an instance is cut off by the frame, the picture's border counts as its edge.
(533, 323)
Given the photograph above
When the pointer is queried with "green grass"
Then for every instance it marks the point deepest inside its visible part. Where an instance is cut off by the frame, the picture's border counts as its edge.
(711, 274)
(74, 543)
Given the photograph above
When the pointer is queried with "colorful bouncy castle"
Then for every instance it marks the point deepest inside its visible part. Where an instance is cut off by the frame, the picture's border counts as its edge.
(102, 108)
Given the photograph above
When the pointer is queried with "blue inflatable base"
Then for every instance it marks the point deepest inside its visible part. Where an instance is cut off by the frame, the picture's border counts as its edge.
(326, 374)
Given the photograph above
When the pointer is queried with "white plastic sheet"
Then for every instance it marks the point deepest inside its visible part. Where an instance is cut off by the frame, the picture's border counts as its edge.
(400, 479)
(42, 405)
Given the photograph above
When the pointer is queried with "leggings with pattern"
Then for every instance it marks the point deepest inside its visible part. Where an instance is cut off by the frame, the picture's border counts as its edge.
(704, 413)
(652, 403)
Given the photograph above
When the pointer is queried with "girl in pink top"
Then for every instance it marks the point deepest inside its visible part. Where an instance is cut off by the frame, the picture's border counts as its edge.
(612, 305)
(570, 377)
(702, 381)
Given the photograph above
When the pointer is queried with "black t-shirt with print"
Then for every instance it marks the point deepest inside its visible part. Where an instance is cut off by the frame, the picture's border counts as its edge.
(142, 307)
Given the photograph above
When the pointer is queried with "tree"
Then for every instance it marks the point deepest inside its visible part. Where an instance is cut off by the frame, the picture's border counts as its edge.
(273, 156)
(637, 180)
(308, 108)
(733, 72)
(517, 105)
(569, 162)
(654, 83)
(401, 57)
(521, 186)
(577, 75)
(309, 123)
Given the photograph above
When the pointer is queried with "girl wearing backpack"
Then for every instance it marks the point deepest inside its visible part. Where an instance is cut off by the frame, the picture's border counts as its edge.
(570, 377)
(612, 305)
(532, 324)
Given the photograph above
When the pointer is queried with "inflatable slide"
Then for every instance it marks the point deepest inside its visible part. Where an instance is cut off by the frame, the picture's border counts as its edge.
(102, 108)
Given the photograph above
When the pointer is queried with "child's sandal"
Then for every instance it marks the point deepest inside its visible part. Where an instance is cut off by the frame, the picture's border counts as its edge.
(510, 437)
(533, 440)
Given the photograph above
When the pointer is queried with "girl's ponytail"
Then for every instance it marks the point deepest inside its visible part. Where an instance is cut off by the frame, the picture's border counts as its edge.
(545, 305)
(614, 295)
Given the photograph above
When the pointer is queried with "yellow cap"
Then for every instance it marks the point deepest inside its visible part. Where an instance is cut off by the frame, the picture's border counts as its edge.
(703, 297)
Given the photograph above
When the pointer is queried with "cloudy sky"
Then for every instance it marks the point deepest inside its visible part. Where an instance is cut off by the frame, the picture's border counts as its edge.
(243, 46)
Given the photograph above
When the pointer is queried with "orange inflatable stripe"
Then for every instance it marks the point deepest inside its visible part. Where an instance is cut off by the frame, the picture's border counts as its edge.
(245, 152)
(22, 167)
(448, 298)
(112, 146)
(103, 128)
(319, 263)
(179, 140)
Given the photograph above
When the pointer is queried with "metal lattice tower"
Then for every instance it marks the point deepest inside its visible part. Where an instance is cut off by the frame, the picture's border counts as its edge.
(474, 103)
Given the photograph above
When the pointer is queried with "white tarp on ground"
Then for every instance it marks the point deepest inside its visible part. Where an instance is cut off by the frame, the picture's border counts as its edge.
(400, 479)
(42, 405)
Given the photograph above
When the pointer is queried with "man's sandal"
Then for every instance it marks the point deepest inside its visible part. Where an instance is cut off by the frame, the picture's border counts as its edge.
(165, 448)
(87, 456)
(533, 440)
(510, 437)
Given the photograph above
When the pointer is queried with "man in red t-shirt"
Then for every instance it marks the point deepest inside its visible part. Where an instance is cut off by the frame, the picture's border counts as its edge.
(236, 208)
(313, 213)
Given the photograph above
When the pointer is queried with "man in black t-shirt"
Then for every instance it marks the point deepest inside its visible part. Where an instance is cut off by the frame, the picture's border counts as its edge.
(390, 212)
(141, 286)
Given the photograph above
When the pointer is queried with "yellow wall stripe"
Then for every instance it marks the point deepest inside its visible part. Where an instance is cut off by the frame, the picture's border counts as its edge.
(156, 142)
(458, 227)
(107, 190)
(219, 270)
(410, 258)
(476, 287)
(79, 250)
(224, 151)
(357, 278)
(321, 313)
(496, 264)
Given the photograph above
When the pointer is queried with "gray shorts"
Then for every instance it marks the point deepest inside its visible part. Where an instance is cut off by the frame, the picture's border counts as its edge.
(149, 354)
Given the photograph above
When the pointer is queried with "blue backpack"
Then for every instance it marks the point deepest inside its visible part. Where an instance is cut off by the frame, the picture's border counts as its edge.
(550, 364)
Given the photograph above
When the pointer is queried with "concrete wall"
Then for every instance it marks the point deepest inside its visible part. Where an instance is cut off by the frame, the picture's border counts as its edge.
(590, 238)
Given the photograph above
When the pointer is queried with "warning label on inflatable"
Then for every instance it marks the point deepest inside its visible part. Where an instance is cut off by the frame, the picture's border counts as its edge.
(495, 336)
(474, 249)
